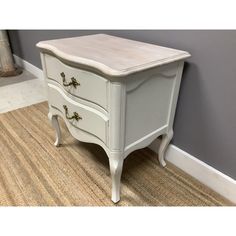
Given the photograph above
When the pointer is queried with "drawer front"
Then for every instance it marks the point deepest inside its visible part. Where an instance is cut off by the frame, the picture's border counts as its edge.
(78, 115)
(80, 83)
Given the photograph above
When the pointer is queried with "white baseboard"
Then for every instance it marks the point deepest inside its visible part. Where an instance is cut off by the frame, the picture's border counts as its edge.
(28, 66)
(214, 179)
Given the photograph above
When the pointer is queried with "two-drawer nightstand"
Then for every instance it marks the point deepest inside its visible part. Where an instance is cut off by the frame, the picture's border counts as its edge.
(118, 93)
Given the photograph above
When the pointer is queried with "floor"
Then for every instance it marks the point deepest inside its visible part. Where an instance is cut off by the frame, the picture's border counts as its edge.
(20, 91)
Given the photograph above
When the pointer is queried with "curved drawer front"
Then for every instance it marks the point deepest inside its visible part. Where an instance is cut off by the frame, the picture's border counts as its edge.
(80, 83)
(78, 115)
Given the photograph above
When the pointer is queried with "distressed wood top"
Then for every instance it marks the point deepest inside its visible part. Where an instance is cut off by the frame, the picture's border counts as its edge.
(111, 55)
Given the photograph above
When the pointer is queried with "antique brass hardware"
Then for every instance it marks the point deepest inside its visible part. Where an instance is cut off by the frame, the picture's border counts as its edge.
(75, 116)
(73, 82)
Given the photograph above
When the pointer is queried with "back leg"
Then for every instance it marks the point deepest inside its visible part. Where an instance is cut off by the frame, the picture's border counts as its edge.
(166, 138)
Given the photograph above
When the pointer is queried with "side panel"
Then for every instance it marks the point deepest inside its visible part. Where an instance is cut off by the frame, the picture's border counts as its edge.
(148, 101)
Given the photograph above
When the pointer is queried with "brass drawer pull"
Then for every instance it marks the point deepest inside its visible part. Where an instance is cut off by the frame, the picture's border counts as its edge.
(73, 82)
(75, 116)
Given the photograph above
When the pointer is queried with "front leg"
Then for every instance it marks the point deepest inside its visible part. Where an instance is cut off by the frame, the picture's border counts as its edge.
(163, 146)
(55, 124)
(116, 166)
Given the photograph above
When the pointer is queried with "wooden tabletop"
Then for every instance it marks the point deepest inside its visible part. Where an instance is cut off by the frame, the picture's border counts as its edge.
(112, 55)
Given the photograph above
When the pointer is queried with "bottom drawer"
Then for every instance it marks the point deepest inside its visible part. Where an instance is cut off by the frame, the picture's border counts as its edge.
(78, 115)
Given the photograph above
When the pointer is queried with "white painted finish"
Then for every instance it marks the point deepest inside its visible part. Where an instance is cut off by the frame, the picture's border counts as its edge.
(163, 146)
(166, 138)
(81, 135)
(214, 179)
(117, 100)
(111, 55)
(174, 94)
(116, 166)
(79, 100)
(55, 124)
(89, 82)
(138, 107)
(144, 141)
(143, 115)
(91, 121)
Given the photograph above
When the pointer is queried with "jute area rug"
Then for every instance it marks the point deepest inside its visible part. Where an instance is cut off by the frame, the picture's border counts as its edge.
(33, 172)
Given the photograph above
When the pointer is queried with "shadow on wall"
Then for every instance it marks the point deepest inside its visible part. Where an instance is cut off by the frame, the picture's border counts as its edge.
(207, 137)
(192, 109)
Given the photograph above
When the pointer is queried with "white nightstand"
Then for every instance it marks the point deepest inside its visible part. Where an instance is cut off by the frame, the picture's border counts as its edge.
(118, 93)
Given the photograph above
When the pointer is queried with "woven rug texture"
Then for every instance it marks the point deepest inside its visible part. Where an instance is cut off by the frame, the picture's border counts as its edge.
(33, 172)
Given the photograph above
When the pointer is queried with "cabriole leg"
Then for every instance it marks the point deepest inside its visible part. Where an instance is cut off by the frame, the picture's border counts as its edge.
(54, 121)
(166, 138)
(116, 166)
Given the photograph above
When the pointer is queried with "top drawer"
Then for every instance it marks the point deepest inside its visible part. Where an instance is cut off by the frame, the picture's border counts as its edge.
(80, 83)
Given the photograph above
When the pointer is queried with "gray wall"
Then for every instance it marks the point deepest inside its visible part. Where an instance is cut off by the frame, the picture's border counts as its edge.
(205, 123)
